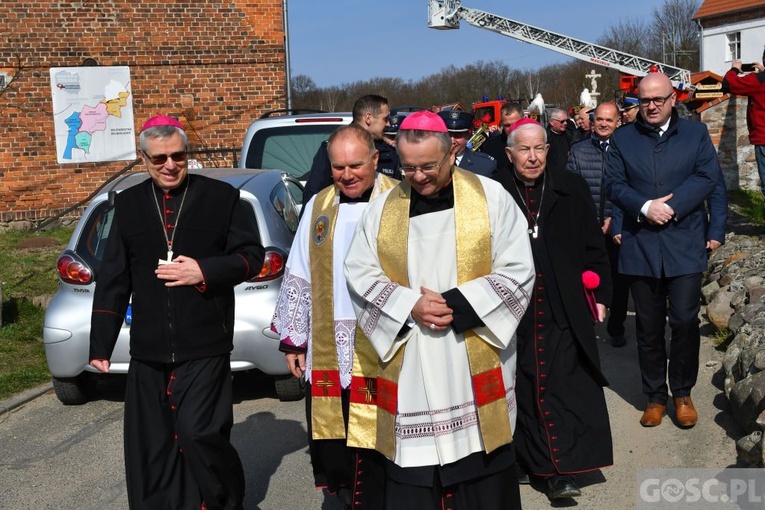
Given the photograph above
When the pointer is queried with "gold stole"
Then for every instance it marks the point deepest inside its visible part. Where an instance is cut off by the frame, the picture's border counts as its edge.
(326, 404)
(473, 236)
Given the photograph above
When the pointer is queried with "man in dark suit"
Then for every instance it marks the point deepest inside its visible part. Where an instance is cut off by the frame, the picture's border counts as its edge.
(660, 171)
(460, 126)
(562, 427)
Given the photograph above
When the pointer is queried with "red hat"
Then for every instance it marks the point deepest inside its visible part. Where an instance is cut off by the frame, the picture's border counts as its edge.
(162, 120)
(424, 121)
(522, 122)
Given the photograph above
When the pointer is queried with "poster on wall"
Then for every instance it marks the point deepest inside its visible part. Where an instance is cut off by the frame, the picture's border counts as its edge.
(92, 114)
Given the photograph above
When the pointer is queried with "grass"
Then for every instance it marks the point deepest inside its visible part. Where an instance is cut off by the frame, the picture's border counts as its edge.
(722, 338)
(748, 203)
(25, 274)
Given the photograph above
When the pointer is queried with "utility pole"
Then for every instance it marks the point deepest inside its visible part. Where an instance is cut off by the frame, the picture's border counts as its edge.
(287, 74)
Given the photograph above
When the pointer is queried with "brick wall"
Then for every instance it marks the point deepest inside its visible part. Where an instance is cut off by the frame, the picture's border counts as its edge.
(726, 120)
(215, 65)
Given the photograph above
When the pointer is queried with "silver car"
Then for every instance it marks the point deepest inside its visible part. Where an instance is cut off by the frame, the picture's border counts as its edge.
(273, 195)
(281, 139)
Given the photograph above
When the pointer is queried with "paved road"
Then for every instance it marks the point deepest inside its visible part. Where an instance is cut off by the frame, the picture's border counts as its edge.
(70, 457)
(58, 457)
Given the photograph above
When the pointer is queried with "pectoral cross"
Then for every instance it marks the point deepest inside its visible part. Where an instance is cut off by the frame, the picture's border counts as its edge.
(534, 231)
(170, 255)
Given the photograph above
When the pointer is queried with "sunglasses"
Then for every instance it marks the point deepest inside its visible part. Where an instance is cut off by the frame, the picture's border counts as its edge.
(161, 159)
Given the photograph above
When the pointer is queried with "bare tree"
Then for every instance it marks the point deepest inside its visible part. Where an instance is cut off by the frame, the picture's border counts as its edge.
(675, 33)
(559, 84)
(303, 84)
(330, 98)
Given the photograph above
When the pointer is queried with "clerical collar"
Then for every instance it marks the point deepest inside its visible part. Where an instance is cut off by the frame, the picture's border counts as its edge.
(441, 201)
(528, 184)
(363, 198)
(175, 191)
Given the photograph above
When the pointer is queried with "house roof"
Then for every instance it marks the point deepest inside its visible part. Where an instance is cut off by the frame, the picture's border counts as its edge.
(697, 77)
(717, 7)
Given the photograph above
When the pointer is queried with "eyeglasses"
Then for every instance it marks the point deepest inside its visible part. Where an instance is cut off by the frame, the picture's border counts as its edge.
(161, 159)
(559, 120)
(658, 101)
(430, 169)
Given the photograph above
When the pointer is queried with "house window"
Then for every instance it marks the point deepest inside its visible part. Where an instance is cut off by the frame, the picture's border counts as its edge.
(733, 48)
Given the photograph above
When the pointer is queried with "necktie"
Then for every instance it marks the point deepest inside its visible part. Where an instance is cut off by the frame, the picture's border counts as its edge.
(604, 146)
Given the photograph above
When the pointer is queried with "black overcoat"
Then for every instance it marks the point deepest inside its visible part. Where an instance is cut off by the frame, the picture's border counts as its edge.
(575, 243)
(562, 424)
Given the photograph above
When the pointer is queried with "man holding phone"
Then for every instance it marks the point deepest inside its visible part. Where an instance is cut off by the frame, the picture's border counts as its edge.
(752, 85)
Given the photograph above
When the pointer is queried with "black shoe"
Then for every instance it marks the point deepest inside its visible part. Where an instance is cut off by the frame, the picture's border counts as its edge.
(560, 487)
(618, 341)
(523, 476)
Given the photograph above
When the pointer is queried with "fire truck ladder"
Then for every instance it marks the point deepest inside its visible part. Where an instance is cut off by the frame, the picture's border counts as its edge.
(446, 15)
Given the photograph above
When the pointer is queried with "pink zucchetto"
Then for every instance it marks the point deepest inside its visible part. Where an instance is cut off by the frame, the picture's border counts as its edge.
(424, 120)
(161, 120)
(522, 122)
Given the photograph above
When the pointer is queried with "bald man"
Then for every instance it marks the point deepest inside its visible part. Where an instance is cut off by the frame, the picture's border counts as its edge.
(659, 172)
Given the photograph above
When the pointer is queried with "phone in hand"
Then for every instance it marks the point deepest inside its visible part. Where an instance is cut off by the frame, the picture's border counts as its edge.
(748, 68)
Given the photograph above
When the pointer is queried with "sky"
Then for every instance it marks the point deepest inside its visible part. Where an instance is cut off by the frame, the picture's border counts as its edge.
(342, 41)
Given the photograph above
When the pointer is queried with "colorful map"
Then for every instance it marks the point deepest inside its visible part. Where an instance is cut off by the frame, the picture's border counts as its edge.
(92, 114)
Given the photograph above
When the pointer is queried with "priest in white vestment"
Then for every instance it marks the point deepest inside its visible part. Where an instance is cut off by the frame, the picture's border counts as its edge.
(440, 271)
(316, 322)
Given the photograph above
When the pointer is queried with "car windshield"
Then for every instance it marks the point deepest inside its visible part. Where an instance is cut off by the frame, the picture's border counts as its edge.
(288, 148)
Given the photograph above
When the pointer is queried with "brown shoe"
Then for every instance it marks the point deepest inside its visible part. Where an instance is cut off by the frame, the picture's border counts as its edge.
(652, 415)
(685, 412)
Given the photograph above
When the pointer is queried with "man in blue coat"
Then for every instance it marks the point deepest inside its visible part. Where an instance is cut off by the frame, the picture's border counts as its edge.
(460, 126)
(660, 170)
(588, 159)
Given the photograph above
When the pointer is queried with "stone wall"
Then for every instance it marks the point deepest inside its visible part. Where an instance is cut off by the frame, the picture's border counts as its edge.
(726, 121)
(735, 303)
(215, 65)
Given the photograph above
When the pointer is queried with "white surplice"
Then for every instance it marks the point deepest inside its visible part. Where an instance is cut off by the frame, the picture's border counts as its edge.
(292, 317)
(436, 420)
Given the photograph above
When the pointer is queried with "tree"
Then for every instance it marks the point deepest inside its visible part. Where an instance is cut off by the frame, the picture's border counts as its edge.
(302, 84)
(675, 33)
(669, 36)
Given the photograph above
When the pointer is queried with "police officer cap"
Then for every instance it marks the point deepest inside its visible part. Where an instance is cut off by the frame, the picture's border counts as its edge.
(629, 101)
(395, 123)
(457, 121)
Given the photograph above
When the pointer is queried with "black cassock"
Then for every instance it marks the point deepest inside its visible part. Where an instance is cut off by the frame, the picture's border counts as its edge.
(562, 425)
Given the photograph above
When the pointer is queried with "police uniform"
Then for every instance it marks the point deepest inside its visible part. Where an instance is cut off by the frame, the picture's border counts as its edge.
(394, 121)
(477, 162)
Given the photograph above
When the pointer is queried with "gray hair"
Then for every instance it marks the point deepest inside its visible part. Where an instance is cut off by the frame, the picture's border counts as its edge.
(162, 132)
(418, 135)
(511, 137)
(556, 112)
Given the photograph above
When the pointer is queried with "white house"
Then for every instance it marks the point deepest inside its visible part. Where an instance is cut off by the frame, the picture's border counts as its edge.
(730, 30)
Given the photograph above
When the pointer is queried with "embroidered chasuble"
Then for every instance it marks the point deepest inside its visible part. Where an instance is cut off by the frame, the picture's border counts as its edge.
(314, 310)
(440, 390)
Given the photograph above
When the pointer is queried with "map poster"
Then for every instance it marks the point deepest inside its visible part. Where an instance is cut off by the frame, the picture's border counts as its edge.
(92, 114)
